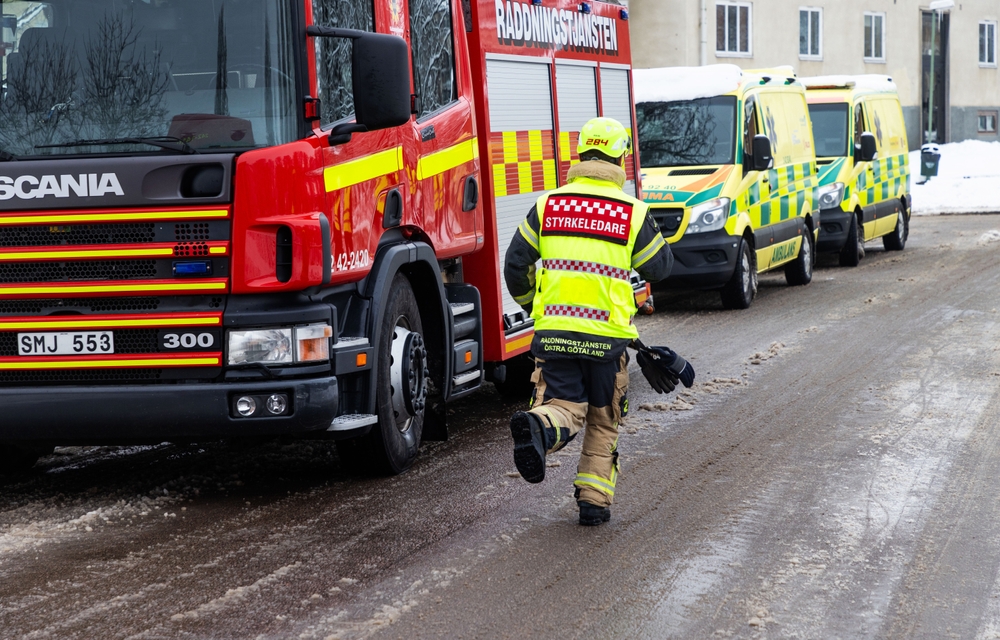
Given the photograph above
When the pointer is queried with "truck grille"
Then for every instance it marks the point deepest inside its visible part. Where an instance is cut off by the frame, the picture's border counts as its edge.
(114, 271)
(97, 234)
(73, 271)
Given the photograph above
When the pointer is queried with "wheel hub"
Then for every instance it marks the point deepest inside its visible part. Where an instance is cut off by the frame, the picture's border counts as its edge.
(408, 376)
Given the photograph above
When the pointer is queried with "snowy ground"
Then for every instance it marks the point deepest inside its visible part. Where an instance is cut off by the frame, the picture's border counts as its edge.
(968, 180)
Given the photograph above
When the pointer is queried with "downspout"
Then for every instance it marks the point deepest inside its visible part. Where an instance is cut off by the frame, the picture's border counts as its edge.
(703, 54)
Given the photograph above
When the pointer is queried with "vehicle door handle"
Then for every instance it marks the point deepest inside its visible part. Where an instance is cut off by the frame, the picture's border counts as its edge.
(427, 134)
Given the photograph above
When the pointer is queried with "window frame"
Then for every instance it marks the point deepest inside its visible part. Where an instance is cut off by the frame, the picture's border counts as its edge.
(809, 40)
(979, 119)
(723, 53)
(874, 59)
(990, 25)
(456, 92)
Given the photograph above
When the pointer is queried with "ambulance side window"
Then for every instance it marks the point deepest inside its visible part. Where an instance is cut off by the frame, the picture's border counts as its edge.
(749, 132)
(432, 39)
(859, 123)
(333, 55)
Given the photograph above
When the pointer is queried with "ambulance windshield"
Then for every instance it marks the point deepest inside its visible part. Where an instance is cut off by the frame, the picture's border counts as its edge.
(688, 133)
(79, 76)
(829, 129)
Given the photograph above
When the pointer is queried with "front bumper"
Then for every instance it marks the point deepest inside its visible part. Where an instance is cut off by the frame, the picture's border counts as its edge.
(833, 229)
(154, 413)
(703, 260)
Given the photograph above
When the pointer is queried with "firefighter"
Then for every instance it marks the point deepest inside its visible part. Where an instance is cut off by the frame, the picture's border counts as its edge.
(589, 236)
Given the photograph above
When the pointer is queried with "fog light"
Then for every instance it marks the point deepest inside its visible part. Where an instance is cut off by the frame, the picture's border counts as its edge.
(277, 404)
(246, 406)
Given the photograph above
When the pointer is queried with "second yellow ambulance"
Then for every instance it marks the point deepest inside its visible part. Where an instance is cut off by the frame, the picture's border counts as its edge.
(864, 173)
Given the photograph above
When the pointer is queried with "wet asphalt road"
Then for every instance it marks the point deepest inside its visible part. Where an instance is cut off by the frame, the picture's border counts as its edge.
(831, 475)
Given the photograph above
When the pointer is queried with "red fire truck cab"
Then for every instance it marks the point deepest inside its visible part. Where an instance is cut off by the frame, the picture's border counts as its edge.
(226, 218)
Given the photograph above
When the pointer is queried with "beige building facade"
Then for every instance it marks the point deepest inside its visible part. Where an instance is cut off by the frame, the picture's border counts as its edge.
(830, 37)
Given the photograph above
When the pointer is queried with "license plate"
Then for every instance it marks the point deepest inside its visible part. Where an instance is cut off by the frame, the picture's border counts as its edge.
(74, 343)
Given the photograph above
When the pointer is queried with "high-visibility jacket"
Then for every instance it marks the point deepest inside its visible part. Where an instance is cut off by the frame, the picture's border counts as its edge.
(587, 233)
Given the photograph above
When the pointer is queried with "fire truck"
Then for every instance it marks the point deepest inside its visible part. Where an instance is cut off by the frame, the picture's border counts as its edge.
(228, 218)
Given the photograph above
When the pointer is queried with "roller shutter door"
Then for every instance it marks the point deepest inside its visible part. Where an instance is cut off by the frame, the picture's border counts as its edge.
(616, 97)
(576, 93)
(522, 149)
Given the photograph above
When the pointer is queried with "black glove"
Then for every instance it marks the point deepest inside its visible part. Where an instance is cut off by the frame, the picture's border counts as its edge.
(663, 368)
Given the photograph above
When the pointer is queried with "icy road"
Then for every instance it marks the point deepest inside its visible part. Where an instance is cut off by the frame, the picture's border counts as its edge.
(833, 474)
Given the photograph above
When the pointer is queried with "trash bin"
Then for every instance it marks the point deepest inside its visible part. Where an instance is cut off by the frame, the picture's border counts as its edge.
(930, 157)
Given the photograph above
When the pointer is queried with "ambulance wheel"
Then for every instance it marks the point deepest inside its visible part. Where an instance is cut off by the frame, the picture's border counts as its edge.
(739, 292)
(401, 397)
(854, 248)
(800, 270)
(896, 241)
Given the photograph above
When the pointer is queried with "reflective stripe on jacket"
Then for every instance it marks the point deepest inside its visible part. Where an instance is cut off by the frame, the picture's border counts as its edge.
(587, 234)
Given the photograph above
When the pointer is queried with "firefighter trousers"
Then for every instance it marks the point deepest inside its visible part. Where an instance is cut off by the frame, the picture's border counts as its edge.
(572, 393)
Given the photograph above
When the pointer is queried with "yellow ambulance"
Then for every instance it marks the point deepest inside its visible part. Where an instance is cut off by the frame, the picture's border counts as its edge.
(729, 172)
(864, 173)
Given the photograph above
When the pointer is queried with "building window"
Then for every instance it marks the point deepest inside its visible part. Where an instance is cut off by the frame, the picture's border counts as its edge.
(874, 37)
(988, 122)
(987, 43)
(733, 29)
(810, 33)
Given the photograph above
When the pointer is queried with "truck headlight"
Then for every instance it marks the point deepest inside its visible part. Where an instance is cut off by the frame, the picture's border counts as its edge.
(280, 346)
(831, 195)
(710, 216)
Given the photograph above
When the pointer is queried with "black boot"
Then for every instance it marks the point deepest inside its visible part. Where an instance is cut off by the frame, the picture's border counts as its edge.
(529, 446)
(591, 515)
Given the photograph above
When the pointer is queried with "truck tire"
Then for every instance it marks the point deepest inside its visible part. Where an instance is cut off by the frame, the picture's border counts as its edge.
(896, 241)
(854, 248)
(739, 292)
(800, 271)
(401, 397)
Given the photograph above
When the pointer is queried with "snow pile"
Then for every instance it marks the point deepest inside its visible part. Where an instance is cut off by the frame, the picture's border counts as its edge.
(872, 82)
(968, 180)
(672, 84)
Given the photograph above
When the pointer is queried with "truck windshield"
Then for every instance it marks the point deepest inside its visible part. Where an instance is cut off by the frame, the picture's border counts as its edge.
(829, 123)
(214, 74)
(692, 132)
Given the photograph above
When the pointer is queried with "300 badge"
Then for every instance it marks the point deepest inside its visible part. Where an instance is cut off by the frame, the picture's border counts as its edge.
(172, 340)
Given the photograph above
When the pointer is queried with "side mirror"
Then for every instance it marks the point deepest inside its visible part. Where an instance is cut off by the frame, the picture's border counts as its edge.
(380, 74)
(762, 155)
(867, 149)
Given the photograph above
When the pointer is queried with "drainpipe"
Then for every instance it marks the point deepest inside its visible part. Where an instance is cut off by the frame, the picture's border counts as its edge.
(703, 54)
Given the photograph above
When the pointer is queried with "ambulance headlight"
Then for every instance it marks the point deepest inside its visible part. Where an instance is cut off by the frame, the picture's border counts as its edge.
(710, 216)
(831, 195)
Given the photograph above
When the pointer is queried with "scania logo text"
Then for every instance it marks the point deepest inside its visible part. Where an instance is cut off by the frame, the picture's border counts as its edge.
(84, 185)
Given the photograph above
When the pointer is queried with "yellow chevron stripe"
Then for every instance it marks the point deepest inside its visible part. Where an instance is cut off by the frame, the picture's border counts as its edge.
(110, 324)
(363, 169)
(101, 253)
(115, 288)
(107, 364)
(447, 159)
(113, 217)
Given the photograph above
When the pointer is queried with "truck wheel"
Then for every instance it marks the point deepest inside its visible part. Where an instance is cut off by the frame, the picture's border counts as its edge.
(896, 241)
(16, 461)
(401, 398)
(854, 248)
(800, 270)
(739, 292)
